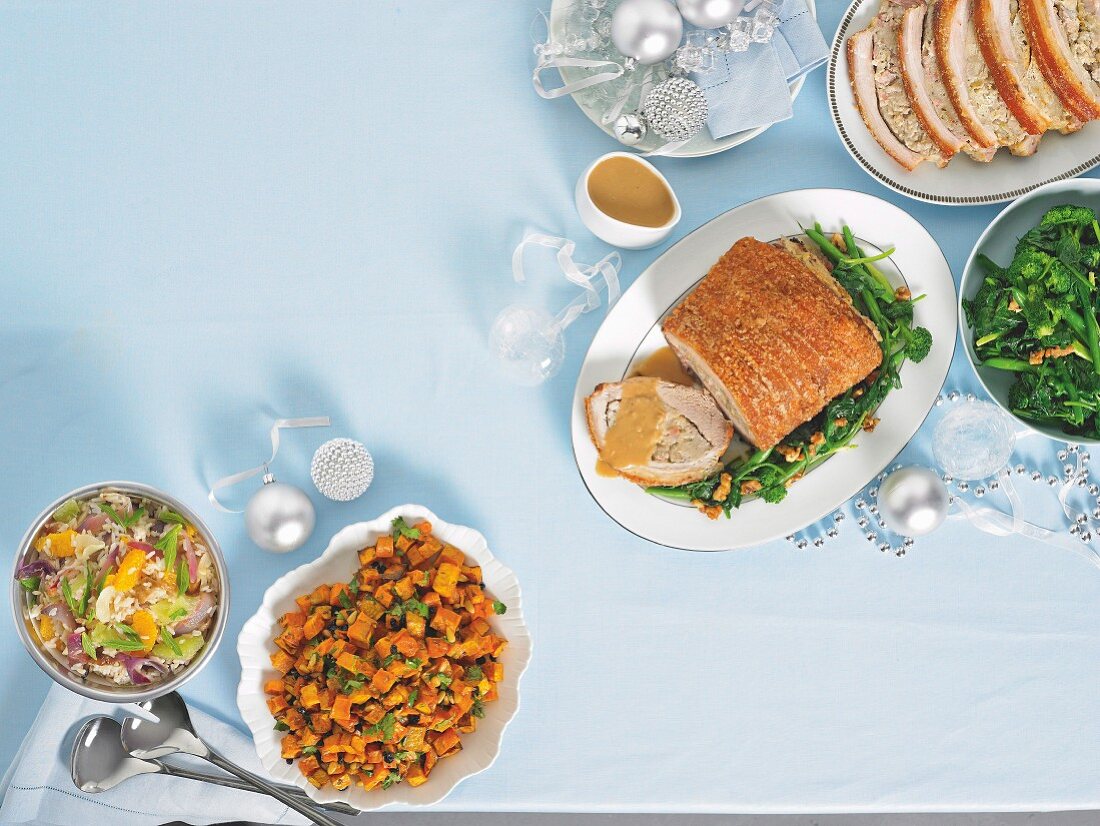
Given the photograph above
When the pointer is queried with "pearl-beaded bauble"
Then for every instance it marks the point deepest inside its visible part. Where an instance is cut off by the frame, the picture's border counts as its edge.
(342, 469)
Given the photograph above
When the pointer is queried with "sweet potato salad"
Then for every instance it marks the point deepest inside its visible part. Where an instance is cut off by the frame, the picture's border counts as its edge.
(380, 676)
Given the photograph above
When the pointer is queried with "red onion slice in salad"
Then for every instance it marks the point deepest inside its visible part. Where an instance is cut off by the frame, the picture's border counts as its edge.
(192, 560)
(193, 621)
(74, 650)
(39, 567)
(93, 523)
(59, 612)
(137, 667)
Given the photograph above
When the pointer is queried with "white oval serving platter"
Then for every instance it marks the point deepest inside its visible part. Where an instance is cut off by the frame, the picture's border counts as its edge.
(338, 563)
(631, 332)
(963, 182)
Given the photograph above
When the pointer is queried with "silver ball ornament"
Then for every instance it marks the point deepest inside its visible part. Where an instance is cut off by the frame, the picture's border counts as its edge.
(913, 501)
(648, 31)
(710, 14)
(629, 129)
(279, 518)
(342, 469)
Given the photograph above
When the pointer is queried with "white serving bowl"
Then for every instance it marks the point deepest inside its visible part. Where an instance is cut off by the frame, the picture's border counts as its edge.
(613, 231)
(338, 563)
(999, 243)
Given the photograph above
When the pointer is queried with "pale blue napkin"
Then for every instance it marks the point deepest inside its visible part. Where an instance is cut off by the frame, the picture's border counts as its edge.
(748, 89)
(37, 787)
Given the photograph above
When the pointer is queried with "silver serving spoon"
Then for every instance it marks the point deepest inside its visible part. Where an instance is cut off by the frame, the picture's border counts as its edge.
(172, 732)
(98, 763)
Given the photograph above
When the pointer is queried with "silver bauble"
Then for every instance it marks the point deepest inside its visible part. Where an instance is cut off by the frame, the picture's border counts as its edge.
(676, 109)
(342, 469)
(648, 31)
(279, 518)
(710, 14)
(913, 501)
(629, 129)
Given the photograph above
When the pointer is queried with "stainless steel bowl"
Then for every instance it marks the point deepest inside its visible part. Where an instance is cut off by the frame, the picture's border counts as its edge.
(90, 687)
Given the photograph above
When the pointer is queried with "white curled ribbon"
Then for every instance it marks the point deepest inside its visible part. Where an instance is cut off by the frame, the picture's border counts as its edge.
(1002, 524)
(583, 275)
(280, 424)
(612, 70)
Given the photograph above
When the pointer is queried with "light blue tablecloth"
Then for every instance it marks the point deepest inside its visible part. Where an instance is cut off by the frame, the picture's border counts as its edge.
(215, 213)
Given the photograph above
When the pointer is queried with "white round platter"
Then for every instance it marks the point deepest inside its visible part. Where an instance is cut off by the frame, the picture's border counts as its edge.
(699, 146)
(963, 182)
(631, 332)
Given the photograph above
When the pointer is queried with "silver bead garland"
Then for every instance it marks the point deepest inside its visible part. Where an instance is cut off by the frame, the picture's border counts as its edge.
(1075, 472)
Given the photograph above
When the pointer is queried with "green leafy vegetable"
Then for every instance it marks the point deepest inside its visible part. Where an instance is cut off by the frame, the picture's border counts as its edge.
(178, 613)
(474, 673)
(499, 607)
(67, 511)
(281, 726)
(1037, 319)
(383, 727)
(478, 708)
(31, 583)
(165, 515)
(183, 578)
(86, 644)
(390, 779)
(67, 595)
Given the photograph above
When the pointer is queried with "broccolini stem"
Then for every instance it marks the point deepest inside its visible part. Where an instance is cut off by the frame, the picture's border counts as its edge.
(874, 272)
(1005, 363)
(1092, 329)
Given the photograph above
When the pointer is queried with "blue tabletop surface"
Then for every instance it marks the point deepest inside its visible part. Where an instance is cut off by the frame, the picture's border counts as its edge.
(213, 214)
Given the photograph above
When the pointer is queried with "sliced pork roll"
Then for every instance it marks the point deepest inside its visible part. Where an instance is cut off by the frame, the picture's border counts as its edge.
(970, 85)
(1064, 63)
(655, 432)
(1019, 80)
(874, 69)
(917, 85)
(937, 92)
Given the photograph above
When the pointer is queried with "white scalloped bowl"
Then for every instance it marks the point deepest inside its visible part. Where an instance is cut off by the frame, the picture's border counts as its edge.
(337, 564)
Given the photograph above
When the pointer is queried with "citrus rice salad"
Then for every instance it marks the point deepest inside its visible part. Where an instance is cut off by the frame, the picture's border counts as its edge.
(123, 589)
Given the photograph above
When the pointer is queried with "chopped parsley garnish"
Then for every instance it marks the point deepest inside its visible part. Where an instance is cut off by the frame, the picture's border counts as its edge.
(389, 659)
(414, 662)
(474, 672)
(310, 750)
(281, 726)
(390, 779)
(442, 680)
(345, 600)
(353, 685)
(411, 605)
(31, 583)
(499, 607)
(478, 709)
(413, 695)
(383, 727)
(401, 528)
(353, 586)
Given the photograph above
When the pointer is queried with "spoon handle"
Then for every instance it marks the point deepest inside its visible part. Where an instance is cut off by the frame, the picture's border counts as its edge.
(234, 783)
(304, 809)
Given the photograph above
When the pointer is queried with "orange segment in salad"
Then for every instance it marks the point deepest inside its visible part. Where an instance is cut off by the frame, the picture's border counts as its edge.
(146, 628)
(129, 569)
(59, 545)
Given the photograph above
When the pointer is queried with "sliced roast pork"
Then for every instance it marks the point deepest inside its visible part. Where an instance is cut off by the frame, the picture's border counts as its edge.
(948, 137)
(937, 91)
(655, 432)
(970, 85)
(1062, 48)
(1016, 75)
(771, 339)
(875, 71)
